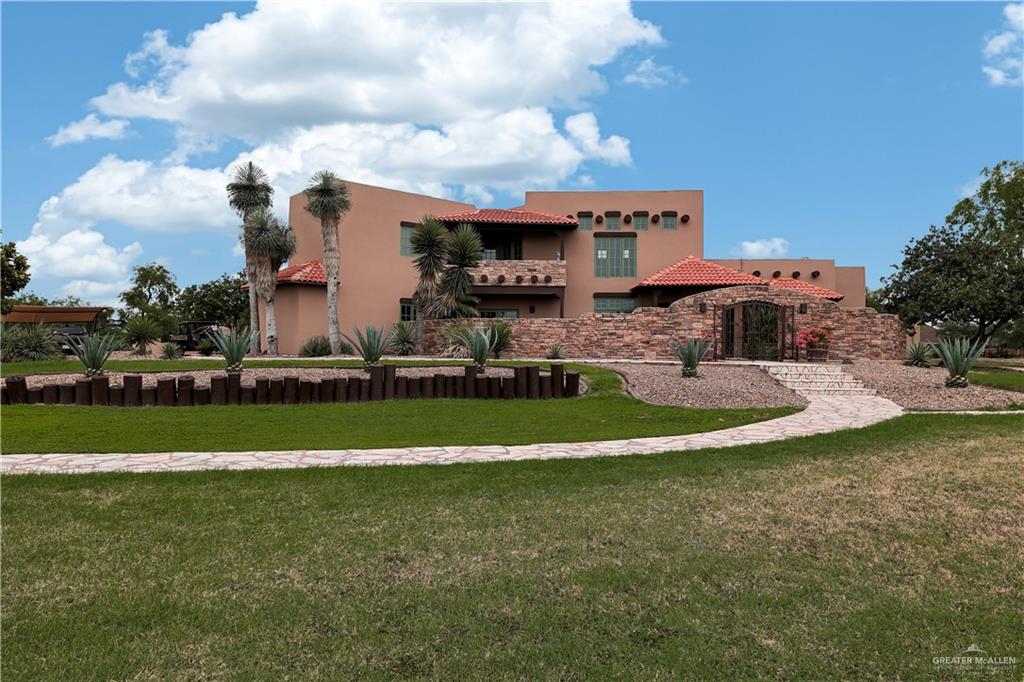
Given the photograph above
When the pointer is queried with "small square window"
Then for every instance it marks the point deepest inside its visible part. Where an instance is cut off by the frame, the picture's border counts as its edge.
(407, 311)
(640, 222)
(668, 222)
(612, 222)
(586, 222)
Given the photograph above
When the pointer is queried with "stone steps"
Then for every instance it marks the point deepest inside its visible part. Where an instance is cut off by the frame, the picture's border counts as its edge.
(816, 380)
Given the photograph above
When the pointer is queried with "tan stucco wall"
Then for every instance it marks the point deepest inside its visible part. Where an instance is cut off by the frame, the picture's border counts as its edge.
(845, 280)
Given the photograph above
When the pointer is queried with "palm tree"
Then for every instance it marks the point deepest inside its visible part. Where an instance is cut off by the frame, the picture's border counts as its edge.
(249, 190)
(327, 201)
(270, 244)
(443, 260)
(430, 246)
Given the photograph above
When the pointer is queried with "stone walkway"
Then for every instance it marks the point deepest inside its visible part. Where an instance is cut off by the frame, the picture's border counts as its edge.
(822, 415)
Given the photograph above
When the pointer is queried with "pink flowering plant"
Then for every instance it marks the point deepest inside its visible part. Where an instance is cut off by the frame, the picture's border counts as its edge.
(814, 337)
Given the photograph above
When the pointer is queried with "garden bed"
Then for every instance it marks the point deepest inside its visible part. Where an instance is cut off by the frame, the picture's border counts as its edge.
(717, 386)
(922, 388)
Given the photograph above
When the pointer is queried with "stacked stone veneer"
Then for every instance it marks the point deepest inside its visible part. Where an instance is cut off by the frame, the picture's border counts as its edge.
(645, 333)
(523, 273)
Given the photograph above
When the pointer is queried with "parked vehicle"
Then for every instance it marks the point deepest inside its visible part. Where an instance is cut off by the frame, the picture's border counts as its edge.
(191, 332)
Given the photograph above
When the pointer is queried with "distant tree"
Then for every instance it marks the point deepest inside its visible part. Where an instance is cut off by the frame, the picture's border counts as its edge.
(222, 300)
(877, 299)
(271, 244)
(14, 274)
(327, 201)
(152, 294)
(970, 270)
(248, 191)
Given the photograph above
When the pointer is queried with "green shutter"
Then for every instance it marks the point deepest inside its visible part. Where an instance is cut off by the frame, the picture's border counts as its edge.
(406, 240)
(668, 222)
(640, 222)
(586, 222)
(614, 304)
(615, 256)
(612, 222)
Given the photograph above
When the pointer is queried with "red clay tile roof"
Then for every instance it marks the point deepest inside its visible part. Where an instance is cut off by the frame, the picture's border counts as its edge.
(806, 288)
(310, 272)
(519, 216)
(696, 272)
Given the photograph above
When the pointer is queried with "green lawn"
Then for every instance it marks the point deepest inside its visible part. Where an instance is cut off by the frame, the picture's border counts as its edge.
(1005, 379)
(854, 555)
(604, 413)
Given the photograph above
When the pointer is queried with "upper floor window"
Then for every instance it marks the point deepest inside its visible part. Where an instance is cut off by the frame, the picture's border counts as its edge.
(614, 304)
(586, 219)
(615, 256)
(405, 244)
(640, 219)
(668, 220)
(613, 220)
(499, 313)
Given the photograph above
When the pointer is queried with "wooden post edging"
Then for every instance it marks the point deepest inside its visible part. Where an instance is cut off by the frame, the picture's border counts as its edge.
(17, 390)
(572, 384)
(557, 380)
(186, 386)
(132, 389)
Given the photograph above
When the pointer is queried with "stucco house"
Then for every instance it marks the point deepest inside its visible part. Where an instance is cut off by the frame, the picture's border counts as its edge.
(559, 256)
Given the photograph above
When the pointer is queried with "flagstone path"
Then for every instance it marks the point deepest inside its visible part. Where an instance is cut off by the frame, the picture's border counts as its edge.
(822, 415)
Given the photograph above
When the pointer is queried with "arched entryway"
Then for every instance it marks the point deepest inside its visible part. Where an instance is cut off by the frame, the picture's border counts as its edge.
(754, 330)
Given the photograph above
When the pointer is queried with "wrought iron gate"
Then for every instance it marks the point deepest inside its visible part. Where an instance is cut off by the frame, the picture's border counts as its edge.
(754, 330)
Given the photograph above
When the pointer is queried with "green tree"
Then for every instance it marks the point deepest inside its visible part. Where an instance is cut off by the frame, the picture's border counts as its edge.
(153, 294)
(970, 270)
(430, 248)
(877, 299)
(14, 274)
(271, 244)
(248, 191)
(222, 300)
(443, 261)
(327, 201)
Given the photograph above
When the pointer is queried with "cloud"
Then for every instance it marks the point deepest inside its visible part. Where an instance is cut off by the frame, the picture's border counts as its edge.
(429, 64)
(583, 130)
(90, 127)
(98, 270)
(970, 188)
(773, 247)
(1004, 51)
(647, 74)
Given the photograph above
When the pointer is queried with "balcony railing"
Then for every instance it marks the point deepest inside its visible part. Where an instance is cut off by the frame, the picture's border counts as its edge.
(520, 273)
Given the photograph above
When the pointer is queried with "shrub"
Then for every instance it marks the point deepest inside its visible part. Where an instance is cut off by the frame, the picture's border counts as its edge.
(403, 338)
(919, 354)
(206, 347)
(140, 331)
(28, 343)
(371, 344)
(93, 350)
(171, 351)
(958, 356)
(315, 347)
(690, 353)
(453, 334)
(477, 343)
(555, 352)
(501, 337)
(233, 346)
(813, 337)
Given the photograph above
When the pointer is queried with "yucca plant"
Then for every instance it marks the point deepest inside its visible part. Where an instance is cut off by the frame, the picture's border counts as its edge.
(371, 344)
(140, 331)
(93, 351)
(171, 351)
(477, 343)
(958, 356)
(555, 352)
(403, 338)
(919, 354)
(233, 346)
(501, 338)
(690, 353)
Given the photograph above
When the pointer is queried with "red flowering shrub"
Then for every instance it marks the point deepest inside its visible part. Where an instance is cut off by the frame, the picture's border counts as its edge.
(813, 337)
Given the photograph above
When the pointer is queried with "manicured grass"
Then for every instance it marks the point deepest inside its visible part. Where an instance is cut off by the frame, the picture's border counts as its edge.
(74, 366)
(604, 413)
(1006, 379)
(854, 555)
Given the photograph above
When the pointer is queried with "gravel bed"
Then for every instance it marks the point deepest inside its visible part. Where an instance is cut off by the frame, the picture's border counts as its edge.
(922, 388)
(249, 374)
(717, 386)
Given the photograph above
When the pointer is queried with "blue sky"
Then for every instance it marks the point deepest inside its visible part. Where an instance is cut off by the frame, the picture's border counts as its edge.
(839, 130)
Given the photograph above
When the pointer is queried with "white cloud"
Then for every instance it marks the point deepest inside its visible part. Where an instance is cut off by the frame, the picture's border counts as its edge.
(773, 247)
(970, 188)
(583, 130)
(647, 74)
(430, 64)
(1004, 51)
(87, 128)
(96, 293)
(97, 269)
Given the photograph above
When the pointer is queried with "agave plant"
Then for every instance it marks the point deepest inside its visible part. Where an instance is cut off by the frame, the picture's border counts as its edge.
(171, 351)
(233, 346)
(690, 353)
(958, 356)
(477, 343)
(206, 347)
(371, 344)
(403, 338)
(555, 352)
(93, 350)
(919, 354)
(501, 337)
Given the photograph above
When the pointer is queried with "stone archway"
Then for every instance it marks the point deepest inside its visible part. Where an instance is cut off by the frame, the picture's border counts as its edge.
(754, 330)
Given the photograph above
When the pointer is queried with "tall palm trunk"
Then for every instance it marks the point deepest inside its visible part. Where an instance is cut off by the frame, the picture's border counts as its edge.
(332, 265)
(271, 326)
(254, 305)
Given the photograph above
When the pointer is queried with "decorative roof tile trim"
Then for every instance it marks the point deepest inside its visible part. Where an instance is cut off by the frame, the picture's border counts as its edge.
(310, 272)
(806, 288)
(693, 271)
(494, 215)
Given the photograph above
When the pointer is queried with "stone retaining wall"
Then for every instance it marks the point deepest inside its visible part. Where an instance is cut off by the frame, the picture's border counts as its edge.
(645, 333)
